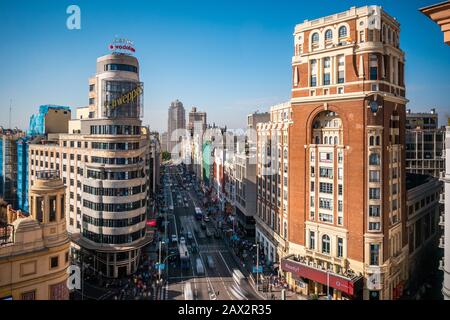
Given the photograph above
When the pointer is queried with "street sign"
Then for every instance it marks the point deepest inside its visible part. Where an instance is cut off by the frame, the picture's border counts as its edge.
(257, 269)
(160, 266)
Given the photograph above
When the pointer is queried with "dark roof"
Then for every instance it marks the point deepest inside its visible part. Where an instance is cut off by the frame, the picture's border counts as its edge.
(414, 180)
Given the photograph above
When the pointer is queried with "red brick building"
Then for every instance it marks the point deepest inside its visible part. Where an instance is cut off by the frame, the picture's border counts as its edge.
(346, 191)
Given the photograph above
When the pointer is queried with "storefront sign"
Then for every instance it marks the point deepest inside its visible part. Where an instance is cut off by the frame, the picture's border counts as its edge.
(128, 97)
(341, 283)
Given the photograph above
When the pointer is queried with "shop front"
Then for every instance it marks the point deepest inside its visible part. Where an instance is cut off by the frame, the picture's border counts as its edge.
(311, 280)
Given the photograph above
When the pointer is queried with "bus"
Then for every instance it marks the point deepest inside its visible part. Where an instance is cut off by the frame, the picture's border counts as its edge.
(184, 256)
(198, 213)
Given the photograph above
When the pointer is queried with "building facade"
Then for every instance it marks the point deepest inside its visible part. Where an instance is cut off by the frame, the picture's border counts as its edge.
(34, 249)
(423, 206)
(272, 180)
(445, 264)
(346, 139)
(102, 160)
(440, 13)
(176, 121)
(424, 144)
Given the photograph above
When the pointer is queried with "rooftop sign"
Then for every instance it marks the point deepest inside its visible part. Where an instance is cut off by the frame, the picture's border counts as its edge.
(122, 46)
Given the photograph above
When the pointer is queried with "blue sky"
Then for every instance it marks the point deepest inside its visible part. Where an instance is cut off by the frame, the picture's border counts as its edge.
(228, 58)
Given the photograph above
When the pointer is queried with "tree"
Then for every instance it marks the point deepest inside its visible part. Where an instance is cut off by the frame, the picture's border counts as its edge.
(165, 156)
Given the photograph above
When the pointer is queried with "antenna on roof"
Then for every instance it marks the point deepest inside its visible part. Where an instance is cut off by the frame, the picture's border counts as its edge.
(10, 104)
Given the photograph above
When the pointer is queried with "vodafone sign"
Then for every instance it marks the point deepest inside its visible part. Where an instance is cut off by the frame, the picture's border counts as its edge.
(121, 45)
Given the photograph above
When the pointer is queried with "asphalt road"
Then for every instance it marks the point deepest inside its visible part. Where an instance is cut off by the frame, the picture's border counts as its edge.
(214, 283)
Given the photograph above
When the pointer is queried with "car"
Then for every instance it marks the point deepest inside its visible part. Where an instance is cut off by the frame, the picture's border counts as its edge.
(174, 238)
(199, 265)
(210, 262)
(206, 219)
(182, 240)
(189, 235)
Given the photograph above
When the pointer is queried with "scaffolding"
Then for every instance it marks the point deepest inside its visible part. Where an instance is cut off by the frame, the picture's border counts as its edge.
(37, 121)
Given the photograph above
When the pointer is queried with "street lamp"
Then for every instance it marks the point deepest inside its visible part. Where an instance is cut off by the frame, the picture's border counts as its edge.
(257, 265)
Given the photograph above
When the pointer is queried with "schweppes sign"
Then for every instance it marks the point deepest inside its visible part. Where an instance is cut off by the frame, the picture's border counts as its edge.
(126, 98)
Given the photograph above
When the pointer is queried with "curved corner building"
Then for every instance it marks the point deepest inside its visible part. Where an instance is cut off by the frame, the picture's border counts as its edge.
(102, 160)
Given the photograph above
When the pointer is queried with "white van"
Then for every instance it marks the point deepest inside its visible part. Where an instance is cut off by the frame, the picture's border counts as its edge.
(199, 266)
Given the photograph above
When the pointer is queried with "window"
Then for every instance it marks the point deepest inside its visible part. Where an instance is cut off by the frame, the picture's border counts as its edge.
(328, 35)
(374, 211)
(374, 159)
(325, 203)
(361, 36)
(30, 295)
(326, 78)
(91, 87)
(373, 74)
(341, 78)
(53, 262)
(342, 32)
(374, 254)
(374, 193)
(326, 62)
(325, 187)
(340, 247)
(315, 40)
(374, 176)
(52, 211)
(326, 157)
(340, 90)
(313, 80)
(326, 172)
(374, 226)
(312, 240)
(326, 244)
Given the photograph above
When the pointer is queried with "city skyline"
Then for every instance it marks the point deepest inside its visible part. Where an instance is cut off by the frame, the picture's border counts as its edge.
(219, 40)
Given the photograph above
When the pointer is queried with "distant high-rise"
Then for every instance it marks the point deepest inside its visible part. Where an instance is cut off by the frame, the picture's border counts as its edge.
(176, 120)
(197, 120)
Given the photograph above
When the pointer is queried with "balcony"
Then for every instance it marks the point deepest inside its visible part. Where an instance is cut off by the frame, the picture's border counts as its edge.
(441, 198)
(442, 220)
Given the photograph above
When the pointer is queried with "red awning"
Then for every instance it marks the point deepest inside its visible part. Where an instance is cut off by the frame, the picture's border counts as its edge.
(341, 283)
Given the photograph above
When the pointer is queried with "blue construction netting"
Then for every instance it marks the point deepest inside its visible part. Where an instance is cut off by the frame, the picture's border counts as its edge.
(37, 121)
(22, 173)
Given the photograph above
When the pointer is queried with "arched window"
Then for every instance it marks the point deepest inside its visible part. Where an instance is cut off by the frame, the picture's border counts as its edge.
(336, 140)
(315, 39)
(371, 141)
(377, 141)
(342, 32)
(325, 244)
(374, 159)
(328, 35)
(317, 140)
(325, 140)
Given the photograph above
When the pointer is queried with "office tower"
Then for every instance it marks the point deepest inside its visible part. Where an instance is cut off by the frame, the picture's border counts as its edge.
(176, 120)
(103, 160)
(424, 143)
(197, 121)
(346, 217)
(34, 249)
